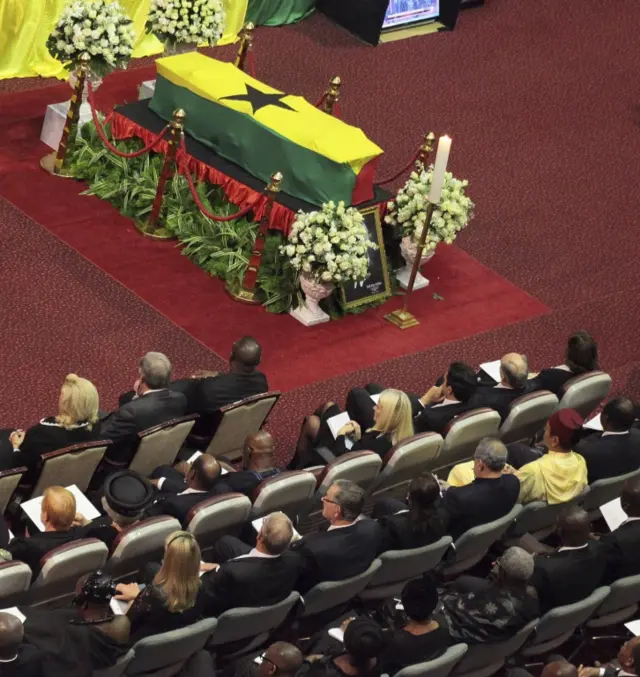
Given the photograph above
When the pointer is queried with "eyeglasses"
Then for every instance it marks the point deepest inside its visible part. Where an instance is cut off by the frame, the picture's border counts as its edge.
(324, 499)
(264, 658)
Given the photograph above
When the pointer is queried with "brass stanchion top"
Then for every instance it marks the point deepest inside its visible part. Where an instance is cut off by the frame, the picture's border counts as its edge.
(249, 26)
(429, 140)
(336, 81)
(276, 182)
(179, 116)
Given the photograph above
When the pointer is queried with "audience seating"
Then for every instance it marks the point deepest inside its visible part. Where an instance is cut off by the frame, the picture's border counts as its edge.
(15, 578)
(61, 569)
(527, 415)
(603, 491)
(399, 566)
(483, 660)
(558, 625)
(217, 516)
(71, 465)
(138, 544)
(620, 605)
(289, 492)
(9, 481)
(438, 667)
(474, 544)
(464, 433)
(160, 445)
(585, 392)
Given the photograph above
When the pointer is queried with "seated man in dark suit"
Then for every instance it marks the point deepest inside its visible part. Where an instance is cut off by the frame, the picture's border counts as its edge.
(17, 659)
(573, 571)
(616, 450)
(623, 544)
(152, 404)
(513, 379)
(488, 497)
(198, 485)
(627, 662)
(347, 548)
(250, 577)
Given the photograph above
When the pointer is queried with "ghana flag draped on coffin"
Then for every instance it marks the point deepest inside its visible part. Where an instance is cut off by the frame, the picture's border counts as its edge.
(264, 130)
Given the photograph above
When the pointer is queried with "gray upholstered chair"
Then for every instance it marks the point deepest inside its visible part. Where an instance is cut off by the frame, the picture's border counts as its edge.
(585, 392)
(138, 544)
(399, 566)
(464, 433)
(330, 594)
(620, 605)
(474, 544)
(604, 491)
(289, 492)
(15, 578)
(438, 667)
(71, 465)
(61, 569)
(9, 480)
(527, 415)
(217, 516)
(559, 624)
(160, 444)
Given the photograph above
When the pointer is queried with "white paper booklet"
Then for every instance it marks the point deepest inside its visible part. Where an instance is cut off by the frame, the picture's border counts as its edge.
(83, 506)
(493, 369)
(613, 514)
(594, 424)
(335, 423)
(118, 606)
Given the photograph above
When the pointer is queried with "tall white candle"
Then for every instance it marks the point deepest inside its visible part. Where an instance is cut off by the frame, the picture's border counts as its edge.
(439, 168)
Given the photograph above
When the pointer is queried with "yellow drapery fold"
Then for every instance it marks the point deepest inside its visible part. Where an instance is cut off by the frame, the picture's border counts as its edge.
(25, 26)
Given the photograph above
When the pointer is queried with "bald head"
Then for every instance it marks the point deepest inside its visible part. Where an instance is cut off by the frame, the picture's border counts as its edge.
(630, 498)
(628, 651)
(514, 369)
(574, 526)
(559, 669)
(283, 658)
(259, 449)
(11, 634)
(204, 472)
(245, 355)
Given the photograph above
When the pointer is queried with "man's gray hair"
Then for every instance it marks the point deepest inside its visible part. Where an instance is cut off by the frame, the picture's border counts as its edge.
(515, 369)
(277, 532)
(517, 564)
(349, 498)
(492, 452)
(155, 370)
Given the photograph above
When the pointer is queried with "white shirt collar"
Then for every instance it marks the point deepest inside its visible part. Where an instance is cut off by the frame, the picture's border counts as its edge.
(563, 367)
(574, 547)
(189, 490)
(622, 432)
(342, 526)
(504, 387)
(256, 553)
(629, 519)
(9, 660)
(445, 402)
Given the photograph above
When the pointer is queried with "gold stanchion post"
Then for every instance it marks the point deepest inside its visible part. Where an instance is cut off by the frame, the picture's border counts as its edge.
(247, 291)
(426, 149)
(246, 41)
(54, 163)
(152, 226)
(331, 97)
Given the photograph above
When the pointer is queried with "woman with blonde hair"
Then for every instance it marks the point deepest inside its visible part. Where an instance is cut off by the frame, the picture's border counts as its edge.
(76, 422)
(173, 599)
(392, 423)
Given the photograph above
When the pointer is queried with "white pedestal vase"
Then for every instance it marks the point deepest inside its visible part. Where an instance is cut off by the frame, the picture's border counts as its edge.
(310, 312)
(409, 249)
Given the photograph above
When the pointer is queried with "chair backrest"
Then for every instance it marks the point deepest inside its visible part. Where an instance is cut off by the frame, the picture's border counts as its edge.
(473, 545)
(464, 433)
(140, 543)
(238, 420)
(248, 622)
(539, 517)
(438, 667)
(603, 491)
(624, 592)
(160, 444)
(585, 392)
(527, 415)
(15, 578)
(288, 492)
(169, 648)
(330, 594)
(407, 460)
(63, 566)
(71, 465)
(217, 516)
(479, 656)
(9, 480)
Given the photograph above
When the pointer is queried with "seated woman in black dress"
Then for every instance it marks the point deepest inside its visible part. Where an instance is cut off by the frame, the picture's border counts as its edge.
(173, 597)
(421, 637)
(415, 523)
(393, 422)
(76, 422)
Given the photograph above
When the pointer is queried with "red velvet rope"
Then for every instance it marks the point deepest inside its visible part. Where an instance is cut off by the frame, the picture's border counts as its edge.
(103, 136)
(320, 100)
(337, 110)
(397, 175)
(251, 66)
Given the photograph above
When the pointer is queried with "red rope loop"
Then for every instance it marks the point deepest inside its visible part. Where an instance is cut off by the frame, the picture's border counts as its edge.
(337, 110)
(397, 175)
(320, 101)
(251, 66)
(103, 136)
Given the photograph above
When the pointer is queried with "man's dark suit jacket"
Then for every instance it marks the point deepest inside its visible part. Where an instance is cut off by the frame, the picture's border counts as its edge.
(123, 425)
(610, 455)
(176, 505)
(250, 582)
(623, 551)
(436, 418)
(244, 481)
(337, 554)
(29, 663)
(498, 399)
(482, 501)
(31, 550)
(552, 379)
(568, 576)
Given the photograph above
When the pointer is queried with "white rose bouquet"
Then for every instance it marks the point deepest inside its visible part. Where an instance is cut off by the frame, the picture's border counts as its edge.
(331, 245)
(98, 28)
(409, 210)
(194, 22)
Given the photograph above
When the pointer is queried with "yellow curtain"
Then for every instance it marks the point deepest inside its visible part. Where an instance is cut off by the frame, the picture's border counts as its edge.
(25, 26)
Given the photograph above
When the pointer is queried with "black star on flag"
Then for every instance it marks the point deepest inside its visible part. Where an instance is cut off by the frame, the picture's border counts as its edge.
(259, 99)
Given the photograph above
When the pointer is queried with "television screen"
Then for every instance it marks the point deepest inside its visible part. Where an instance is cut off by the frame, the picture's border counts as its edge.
(403, 12)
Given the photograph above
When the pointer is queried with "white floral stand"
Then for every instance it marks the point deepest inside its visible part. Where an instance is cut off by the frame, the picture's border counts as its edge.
(409, 249)
(310, 313)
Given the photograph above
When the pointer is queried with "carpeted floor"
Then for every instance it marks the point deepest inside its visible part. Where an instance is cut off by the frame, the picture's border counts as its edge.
(542, 102)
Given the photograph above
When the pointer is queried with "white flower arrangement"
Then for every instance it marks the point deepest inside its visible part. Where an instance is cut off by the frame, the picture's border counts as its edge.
(98, 28)
(186, 21)
(330, 246)
(409, 210)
